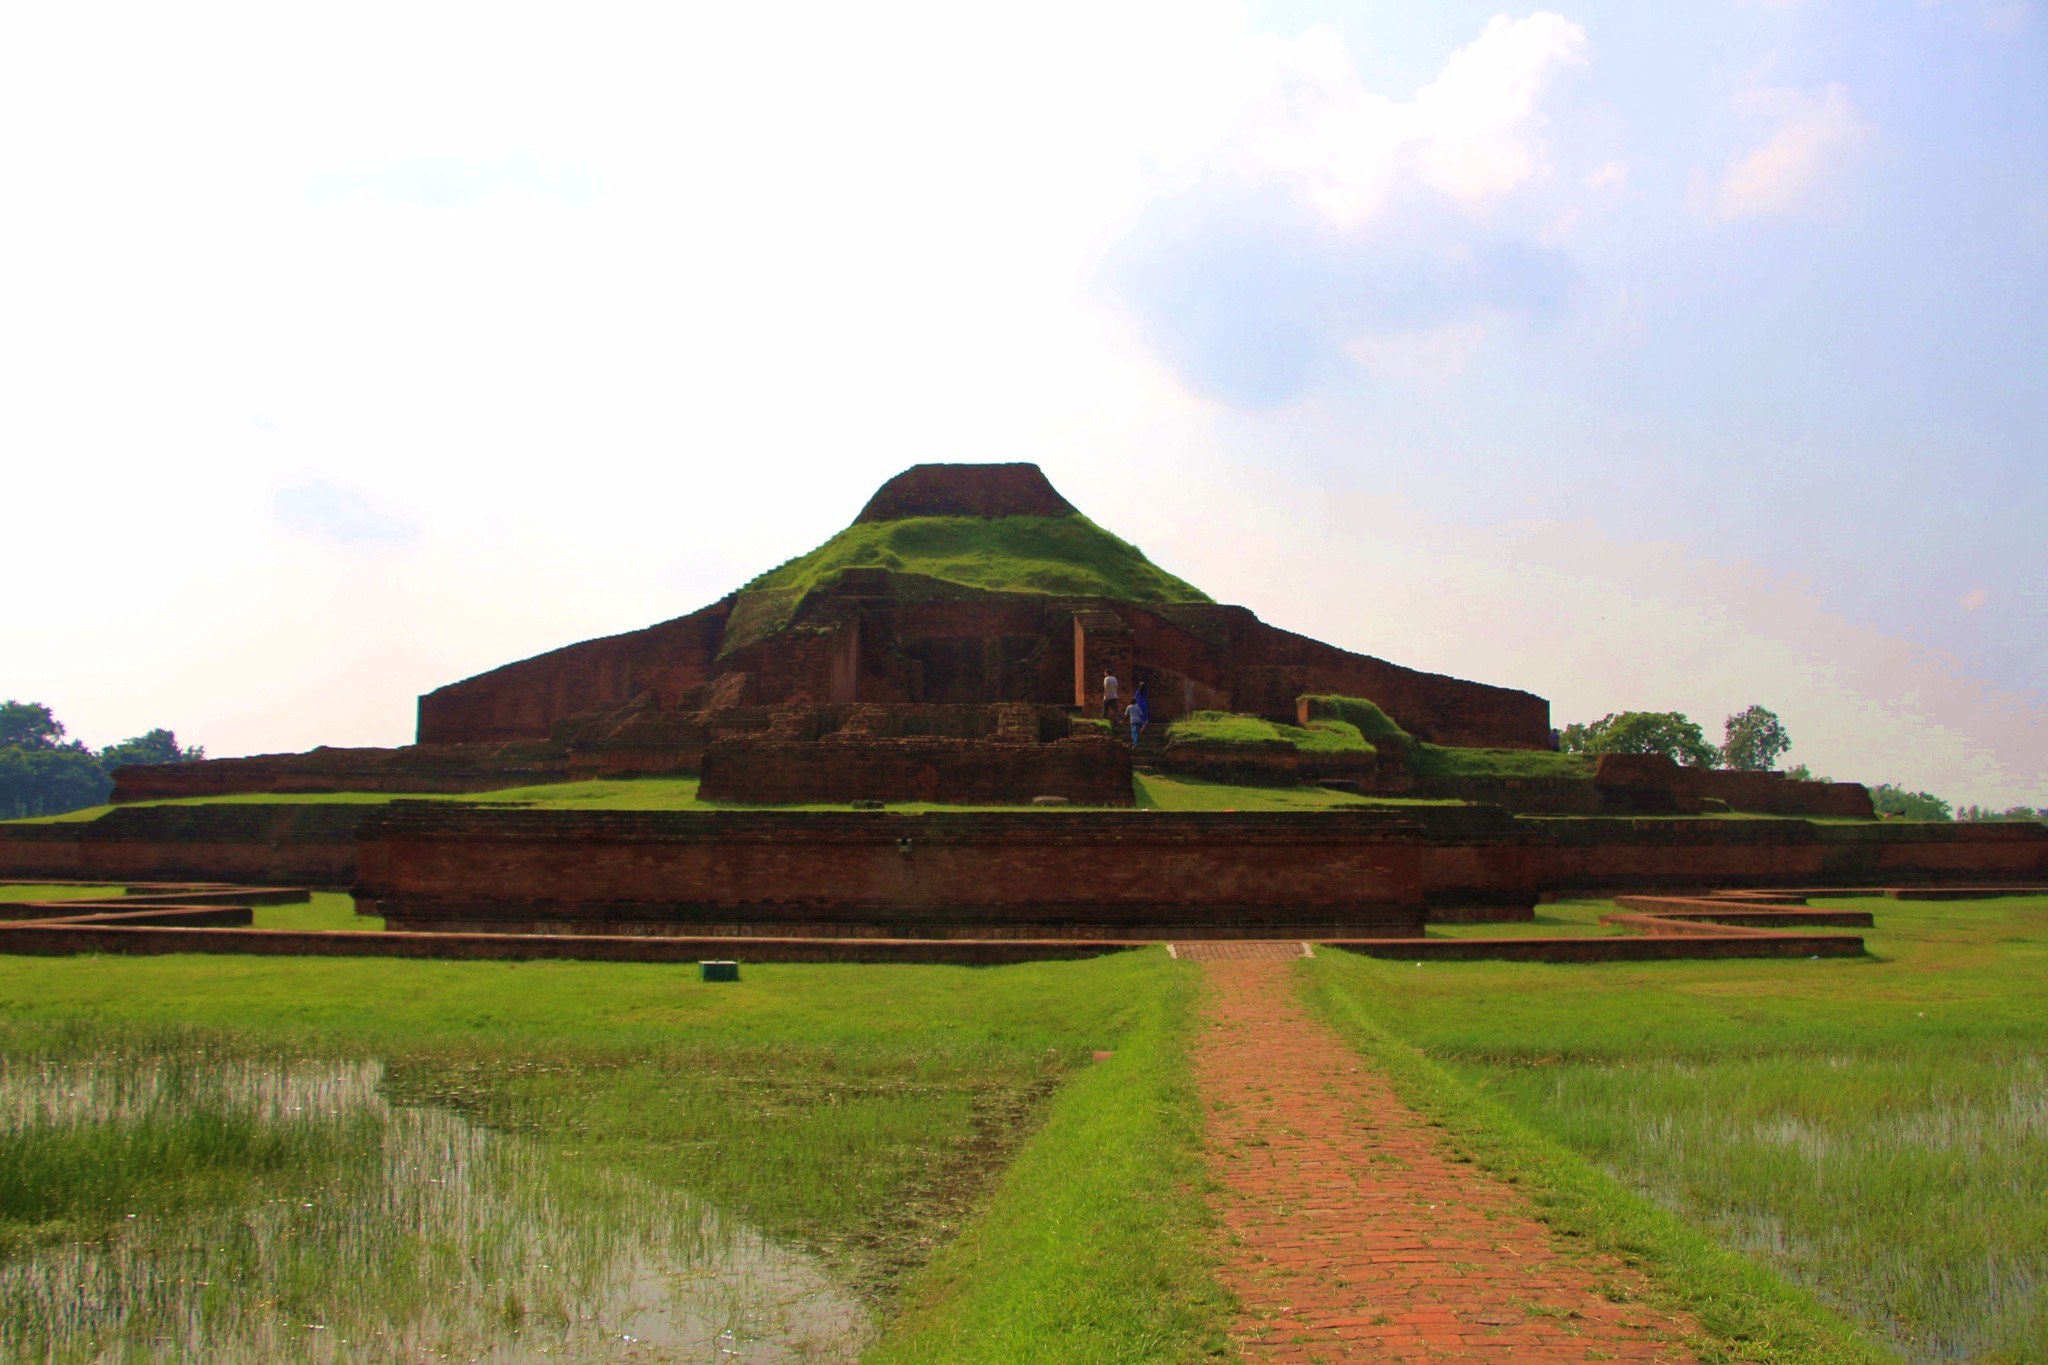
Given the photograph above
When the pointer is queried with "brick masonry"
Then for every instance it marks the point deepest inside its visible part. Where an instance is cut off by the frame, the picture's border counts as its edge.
(985, 874)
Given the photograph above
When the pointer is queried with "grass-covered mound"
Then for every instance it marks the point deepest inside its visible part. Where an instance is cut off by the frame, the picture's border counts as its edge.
(1355, 725)
(1224, 727)
(1064, 556)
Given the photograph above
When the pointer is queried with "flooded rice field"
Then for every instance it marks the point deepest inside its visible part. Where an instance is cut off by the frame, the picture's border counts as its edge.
(180, 1208)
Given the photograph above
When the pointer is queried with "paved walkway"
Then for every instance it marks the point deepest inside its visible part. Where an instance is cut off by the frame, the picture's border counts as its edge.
(1353, 1236)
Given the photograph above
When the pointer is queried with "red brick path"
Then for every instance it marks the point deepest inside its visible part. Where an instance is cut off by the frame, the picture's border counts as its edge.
(1354, 1236)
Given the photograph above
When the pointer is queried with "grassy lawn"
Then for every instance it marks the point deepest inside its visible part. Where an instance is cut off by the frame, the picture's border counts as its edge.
(1152, 792)
(60, 893)
(1564, 919)
(610, 1114)
(1875, 1131)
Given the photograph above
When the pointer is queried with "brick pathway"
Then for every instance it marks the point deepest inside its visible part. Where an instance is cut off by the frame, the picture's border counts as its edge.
(1352, 1236)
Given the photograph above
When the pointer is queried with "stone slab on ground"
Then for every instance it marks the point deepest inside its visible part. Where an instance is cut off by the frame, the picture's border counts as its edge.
(1354, 1235)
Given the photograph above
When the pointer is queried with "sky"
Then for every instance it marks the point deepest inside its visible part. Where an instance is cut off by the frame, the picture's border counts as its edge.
(1645, 357)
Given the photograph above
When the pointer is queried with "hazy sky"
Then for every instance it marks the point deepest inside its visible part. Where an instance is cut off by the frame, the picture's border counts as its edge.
(1643, 356)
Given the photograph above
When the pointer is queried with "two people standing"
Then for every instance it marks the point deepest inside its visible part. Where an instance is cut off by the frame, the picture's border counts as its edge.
(1138, 713)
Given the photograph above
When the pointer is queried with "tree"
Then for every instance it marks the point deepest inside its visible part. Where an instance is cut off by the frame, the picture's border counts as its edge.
(1974, 814)
(28, 725)
(1904, 805)
(42, 773)
(1668, 733)
(1799, 772)
(1755, 740)
(158, 746)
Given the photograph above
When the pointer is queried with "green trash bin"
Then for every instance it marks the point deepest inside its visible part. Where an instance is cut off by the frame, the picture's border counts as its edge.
(718, 971)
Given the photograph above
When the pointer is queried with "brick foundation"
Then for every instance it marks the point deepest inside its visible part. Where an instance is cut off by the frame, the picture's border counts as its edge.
(1080, 875)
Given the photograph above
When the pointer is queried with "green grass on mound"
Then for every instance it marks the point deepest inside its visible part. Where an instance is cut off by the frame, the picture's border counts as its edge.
(1354, 725)
(1065, 556)
(1223, 727)
(1870, 1130)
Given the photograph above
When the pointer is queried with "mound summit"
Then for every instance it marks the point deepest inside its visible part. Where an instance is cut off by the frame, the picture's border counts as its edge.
(961, 584)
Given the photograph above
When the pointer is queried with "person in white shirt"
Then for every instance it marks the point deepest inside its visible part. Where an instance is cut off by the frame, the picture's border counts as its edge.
(1109, 706)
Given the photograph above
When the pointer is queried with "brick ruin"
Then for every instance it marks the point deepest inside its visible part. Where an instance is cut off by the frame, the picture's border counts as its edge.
(872, 684)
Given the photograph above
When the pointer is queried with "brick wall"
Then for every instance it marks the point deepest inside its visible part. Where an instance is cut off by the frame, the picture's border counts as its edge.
(312, 844)
(524, 700)
(1034, 874)
(1087, 770)
(416, 768)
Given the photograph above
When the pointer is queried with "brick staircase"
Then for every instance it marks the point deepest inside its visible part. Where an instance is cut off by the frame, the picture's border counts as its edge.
(1151, 744)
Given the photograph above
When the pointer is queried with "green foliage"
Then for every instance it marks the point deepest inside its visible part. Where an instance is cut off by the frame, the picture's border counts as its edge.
(1668, 733)
(157, 746)
(29, 725)
(1068, 556)
(1901, 804)
(1755, 740)
(50, 781)
(42, 773)
(1868, 1128)
(1799, 772)
(1978, 814)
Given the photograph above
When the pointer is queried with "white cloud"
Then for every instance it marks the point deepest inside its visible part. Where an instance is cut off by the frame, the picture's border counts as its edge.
(1607, 176)
(1325, 213)
(1474, 134)
(1428, 356)
(1973, 600)
(1814, 133)
(1478, 122)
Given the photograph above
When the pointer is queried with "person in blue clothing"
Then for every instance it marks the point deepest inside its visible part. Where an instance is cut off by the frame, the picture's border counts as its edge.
(1138, 713)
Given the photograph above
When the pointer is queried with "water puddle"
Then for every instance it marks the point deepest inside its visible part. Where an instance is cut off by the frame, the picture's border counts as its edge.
(377, 1233)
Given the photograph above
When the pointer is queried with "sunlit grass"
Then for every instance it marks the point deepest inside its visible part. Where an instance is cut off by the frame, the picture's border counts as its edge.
(1876, 1130)
(1562, 919)
(860, 1112)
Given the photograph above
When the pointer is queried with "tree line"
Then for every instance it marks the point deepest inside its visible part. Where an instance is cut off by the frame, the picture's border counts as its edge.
(43, 773)
(1753, 740)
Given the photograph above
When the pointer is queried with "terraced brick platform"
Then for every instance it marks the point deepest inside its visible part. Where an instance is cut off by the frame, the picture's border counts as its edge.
(1354, 1236)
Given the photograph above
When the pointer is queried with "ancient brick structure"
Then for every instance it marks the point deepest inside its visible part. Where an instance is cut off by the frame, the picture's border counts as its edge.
(416, 768)
(443, 866)
(873, 635)
(310, 845)
(958, 755)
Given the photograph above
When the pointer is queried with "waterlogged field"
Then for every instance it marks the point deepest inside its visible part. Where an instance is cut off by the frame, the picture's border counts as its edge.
(237, 1160)
(262, 1210)
(1876, 1131)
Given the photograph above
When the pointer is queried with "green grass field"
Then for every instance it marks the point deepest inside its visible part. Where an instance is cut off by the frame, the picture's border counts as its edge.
(613, 1115)
(1820, 1160)
(1874, 1130)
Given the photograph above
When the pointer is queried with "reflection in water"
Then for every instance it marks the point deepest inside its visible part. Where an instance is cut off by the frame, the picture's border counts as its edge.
(384, 1234)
